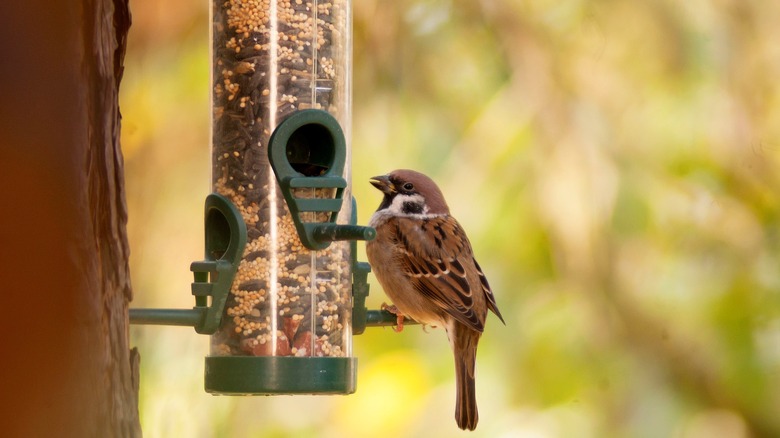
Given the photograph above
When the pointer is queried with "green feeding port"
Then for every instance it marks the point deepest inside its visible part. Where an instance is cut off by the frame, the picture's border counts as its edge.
(225, 237)
(307, 152)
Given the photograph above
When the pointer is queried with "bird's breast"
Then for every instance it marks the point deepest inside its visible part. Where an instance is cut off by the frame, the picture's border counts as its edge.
(386, 258)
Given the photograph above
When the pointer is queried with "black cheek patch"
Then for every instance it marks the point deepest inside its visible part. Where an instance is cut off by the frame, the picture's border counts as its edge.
(412, 208)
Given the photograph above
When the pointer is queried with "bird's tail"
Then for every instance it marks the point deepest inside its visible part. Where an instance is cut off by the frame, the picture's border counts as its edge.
(464, 342)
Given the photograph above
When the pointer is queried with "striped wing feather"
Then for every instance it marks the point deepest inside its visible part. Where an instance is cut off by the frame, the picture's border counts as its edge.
(440, 264)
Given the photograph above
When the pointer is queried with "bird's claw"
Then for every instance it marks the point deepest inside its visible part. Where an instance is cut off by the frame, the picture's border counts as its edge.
(399, 317)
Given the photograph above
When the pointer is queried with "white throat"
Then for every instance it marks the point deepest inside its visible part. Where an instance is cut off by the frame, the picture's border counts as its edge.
(396, 209)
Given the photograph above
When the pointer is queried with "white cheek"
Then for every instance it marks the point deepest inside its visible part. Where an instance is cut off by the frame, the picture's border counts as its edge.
(397, 207)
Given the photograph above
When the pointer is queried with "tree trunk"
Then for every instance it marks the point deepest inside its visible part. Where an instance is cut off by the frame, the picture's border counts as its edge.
(67, 369)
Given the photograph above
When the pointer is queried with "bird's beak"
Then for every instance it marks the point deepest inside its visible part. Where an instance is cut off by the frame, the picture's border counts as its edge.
(383, 183)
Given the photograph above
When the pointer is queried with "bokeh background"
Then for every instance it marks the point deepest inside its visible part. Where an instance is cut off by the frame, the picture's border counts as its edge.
(615, 163)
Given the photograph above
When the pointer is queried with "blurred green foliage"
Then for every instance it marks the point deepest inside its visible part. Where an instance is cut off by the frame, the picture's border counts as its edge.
(616, 165)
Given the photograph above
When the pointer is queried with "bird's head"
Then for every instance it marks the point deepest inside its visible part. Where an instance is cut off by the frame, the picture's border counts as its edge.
(407, 193)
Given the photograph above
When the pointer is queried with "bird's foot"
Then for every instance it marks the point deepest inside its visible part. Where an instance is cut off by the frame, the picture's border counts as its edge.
(399, 317)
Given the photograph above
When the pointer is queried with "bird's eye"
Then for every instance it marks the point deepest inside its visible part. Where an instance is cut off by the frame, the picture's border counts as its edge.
(408, 186)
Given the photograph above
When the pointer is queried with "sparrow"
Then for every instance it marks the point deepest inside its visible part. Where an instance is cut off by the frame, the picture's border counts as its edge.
(424, 262)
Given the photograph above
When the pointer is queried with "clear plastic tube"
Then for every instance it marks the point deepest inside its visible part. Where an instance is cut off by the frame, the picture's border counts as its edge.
(270, 59)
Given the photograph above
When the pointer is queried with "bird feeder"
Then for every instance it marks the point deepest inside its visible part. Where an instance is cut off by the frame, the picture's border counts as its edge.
(280, 291)
(280, 98)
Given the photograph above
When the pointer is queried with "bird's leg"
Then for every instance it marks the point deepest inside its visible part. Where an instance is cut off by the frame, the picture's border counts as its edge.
(399, 317)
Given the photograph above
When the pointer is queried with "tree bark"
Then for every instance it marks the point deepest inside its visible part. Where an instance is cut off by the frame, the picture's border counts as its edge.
(67, 369)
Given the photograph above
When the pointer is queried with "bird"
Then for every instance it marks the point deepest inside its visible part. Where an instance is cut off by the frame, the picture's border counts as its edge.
(424, 261)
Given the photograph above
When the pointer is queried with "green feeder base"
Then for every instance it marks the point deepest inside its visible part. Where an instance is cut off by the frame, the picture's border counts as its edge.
(270, 375)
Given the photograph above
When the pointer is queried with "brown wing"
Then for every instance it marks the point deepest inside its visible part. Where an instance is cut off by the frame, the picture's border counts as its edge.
(491, 300)
(440, 264)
